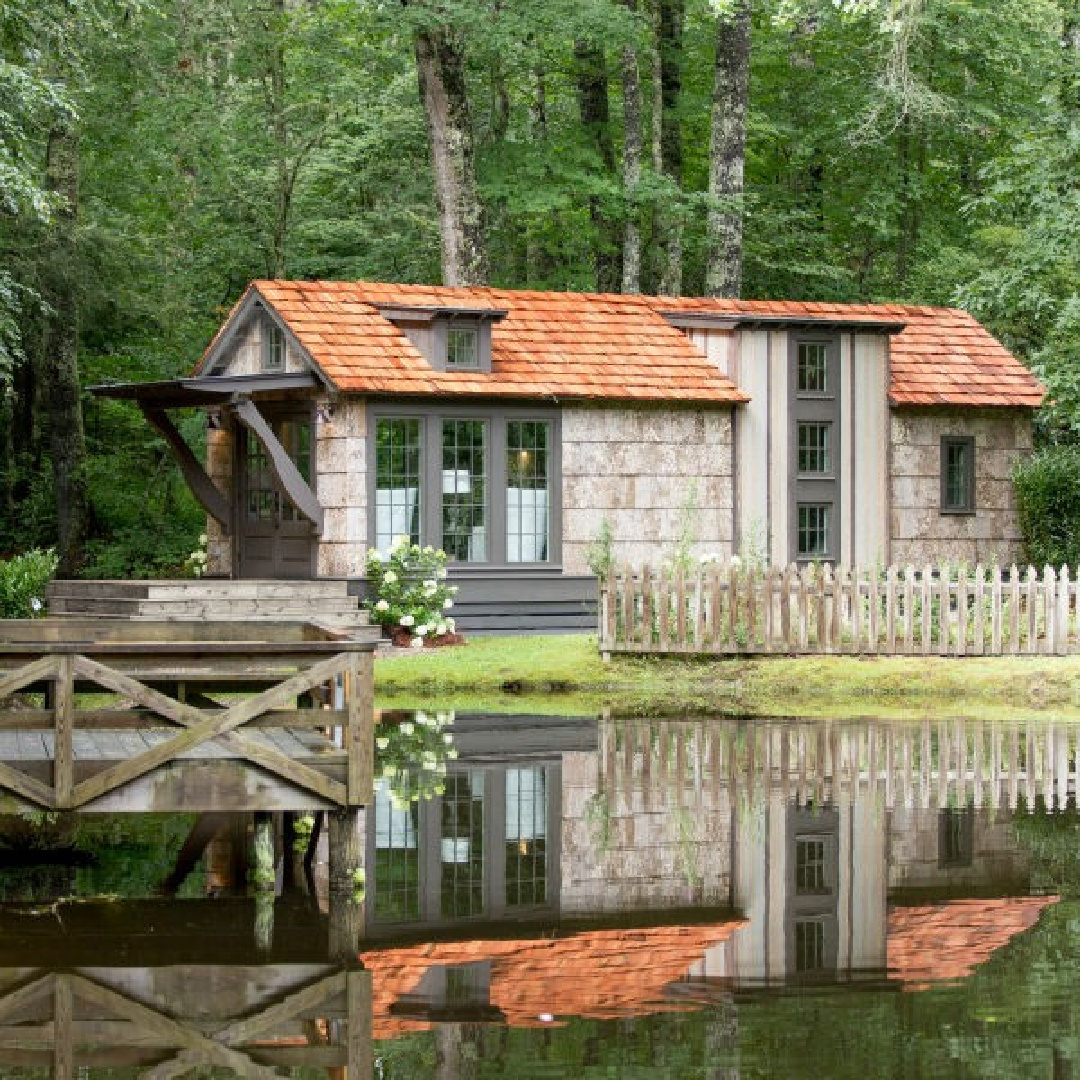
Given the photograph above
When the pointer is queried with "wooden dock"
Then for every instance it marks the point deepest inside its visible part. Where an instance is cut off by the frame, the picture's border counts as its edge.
(126, 716)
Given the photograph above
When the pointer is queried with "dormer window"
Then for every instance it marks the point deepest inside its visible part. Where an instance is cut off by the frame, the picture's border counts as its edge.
(274, 350)
(463, 347)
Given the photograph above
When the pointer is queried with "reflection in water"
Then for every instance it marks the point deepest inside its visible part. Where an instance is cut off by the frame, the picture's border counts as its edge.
(685, 899)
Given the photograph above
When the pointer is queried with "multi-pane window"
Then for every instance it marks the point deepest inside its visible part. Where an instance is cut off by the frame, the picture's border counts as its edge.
(397, 480)
(274, 351)
(527, 490)
(813, 530)
(810, 865)
(463, 347)
(526, 837)
(461, 887)
(464, 490)
(809, 945)
(295, 436)
(397, 851)
(814, 447)
(812, 367)
(958, 474)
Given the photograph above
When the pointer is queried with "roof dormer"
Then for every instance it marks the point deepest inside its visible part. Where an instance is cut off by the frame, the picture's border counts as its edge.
(449, 338)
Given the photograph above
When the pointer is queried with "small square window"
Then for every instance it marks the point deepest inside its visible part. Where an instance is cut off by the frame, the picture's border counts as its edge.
(463, 347)
(810, 866)
(812, 376)
(813, 530)
(957, 474)
(814, 448)
(274, 353)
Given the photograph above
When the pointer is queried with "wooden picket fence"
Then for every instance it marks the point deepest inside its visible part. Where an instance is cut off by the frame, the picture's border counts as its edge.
(816, 609)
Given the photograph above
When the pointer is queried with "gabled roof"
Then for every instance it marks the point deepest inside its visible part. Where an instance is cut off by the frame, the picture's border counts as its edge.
(588, 345)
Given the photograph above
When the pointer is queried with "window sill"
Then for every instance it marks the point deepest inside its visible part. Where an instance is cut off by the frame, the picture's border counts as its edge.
(957, 513)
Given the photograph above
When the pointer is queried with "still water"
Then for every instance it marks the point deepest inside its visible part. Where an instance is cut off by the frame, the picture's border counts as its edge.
(548, 897)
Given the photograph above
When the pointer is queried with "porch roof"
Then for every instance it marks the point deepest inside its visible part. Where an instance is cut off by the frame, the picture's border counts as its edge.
(586, 345)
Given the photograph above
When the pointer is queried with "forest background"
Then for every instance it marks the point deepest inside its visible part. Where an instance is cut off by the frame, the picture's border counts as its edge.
(156, 155)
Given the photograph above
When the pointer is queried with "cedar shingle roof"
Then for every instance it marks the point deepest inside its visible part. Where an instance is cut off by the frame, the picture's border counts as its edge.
(616, 346)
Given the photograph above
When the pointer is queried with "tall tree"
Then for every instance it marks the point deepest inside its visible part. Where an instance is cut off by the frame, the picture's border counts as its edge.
(440, 66)
(727, 152)
(670, 222)
(633, 147)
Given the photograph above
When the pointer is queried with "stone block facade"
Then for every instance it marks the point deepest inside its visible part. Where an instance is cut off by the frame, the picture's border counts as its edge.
(220, 442)
(341, 485)
(650, 472)
(920, 532)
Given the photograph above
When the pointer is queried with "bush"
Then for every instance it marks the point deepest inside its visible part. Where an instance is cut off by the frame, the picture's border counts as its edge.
(23, 581)
(1048, 499)
(409, 591)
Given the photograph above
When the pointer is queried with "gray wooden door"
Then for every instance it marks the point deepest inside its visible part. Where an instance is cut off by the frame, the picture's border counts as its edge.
(275, 540)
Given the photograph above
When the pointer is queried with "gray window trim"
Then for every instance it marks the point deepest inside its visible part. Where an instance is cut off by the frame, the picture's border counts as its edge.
(440, 334)
(968, 508)
(430, 415)
(270, 329)
(820, 408)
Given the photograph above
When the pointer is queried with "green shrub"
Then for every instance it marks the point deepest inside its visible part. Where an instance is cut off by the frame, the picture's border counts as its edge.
(1048, 499)
(23, 581)
(409, 590)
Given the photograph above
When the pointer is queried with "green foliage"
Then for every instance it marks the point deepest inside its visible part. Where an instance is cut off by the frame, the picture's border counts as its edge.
(1048, 500)
(601, 554)
(23, 581)
(411, 752)
(409, 590)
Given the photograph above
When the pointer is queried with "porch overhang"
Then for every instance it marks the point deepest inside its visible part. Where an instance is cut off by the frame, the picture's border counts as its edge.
(232, 392)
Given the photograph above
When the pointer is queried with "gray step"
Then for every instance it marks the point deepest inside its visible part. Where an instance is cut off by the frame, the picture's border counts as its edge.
(200, 589)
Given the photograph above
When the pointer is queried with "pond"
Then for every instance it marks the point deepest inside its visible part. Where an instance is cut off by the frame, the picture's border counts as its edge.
(553, 896)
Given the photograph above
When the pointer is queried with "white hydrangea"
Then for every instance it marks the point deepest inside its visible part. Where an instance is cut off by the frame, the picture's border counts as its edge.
(417, 642)
(422, 630)
(203, 539)
(441, 572)
(382, 743)
(401, 541)
(736, 561)
(447, 604)
(405, 728)
(389, 577)
(440, 628)
(407, 620)
(383, 605)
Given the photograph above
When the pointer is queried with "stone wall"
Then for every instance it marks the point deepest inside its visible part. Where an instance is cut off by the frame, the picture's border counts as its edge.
(638, 467)
(219, 467)
(621, 854)
(920, 533)
(341, 459)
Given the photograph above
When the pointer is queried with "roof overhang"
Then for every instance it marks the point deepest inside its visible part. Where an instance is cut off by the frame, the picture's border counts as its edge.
(716, 320)
(426, 314)
(204, 390)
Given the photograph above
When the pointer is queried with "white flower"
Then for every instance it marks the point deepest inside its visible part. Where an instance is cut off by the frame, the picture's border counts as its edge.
(706, 559)
(451, 753)
(440, 628)
(422, 630)
(417, 642)
(374, 555)
(389, 577)
(35, 604)
(203, 539)
(736, 561)
(407, 620)
(430, 586)
(405, 727)
(383, 605)
(441, 572)
(451, 625)
(382, 744)
(429, 550)
(400, 541)
(447, 604)
(448, 739)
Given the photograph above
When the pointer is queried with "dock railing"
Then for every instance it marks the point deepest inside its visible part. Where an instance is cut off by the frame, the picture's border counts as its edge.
(816, 609)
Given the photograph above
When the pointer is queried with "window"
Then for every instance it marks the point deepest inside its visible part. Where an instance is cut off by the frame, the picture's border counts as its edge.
(813, 530)
(956, 837)
(274, 351)
(462, 846)
(810, 866)
(463, 347)
(397, 480)
(813, 357)
(397, 851)
(814, 447)
(957, 474)
(526, 837)
(527, 486)
(464, 491)
(809, 945)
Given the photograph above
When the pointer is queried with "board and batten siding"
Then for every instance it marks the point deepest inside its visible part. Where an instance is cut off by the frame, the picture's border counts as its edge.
(247, 351)
(646, 469)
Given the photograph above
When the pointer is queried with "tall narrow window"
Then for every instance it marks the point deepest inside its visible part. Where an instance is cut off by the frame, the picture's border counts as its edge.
(810, 865)
(463, 347)
(397, 852)
(813, 530)
(397, 480)
(957, 474)
(812, 367)
(274, 352)
(462, 846)
(527, 487)
(464, 490)
(814, 447)
(526, 837)
(809, 945)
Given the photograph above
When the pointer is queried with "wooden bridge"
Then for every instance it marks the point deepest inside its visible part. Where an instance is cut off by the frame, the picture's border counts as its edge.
(123, 715)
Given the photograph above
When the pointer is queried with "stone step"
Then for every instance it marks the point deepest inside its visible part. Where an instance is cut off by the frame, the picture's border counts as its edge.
(200, 589)
(292, 609)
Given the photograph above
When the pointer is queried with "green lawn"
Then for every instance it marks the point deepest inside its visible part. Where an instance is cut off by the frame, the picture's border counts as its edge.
(565, 675)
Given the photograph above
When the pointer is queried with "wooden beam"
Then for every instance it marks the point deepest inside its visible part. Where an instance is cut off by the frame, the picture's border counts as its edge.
(45, 668)
(63, 1033)
(202, 487)
(284, 469)
(64, 733)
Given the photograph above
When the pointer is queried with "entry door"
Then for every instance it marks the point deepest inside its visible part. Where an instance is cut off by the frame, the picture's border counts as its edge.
(275, 539)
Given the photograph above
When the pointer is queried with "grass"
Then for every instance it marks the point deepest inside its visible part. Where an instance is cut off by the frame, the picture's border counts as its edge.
(565, 676)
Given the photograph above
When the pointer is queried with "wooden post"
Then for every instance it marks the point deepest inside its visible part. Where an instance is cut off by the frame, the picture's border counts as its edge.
(360, 729)
(1032, 604)
(874, 608)
(680, 613)
(64, 732)
(663, 608)
(995, 610)
(927, 607)
(347, 882)
(961, 611)
(646, 610)
(1063, 612)
(263, 861)
(890, 609)
(360, 1053)
(264, 920)
(1050, 608)
(1014, 610)
(909, 609)
(980, 610)
(943, 610)
(63, 1029)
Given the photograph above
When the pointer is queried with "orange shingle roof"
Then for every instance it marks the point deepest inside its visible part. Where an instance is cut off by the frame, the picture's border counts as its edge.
(587, 345)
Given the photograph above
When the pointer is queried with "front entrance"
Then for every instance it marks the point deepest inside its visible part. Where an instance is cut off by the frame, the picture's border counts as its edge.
(274, 540)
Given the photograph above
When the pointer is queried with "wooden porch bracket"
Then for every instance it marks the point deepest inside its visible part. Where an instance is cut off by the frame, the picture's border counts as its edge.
(202, 487)
(292, 484)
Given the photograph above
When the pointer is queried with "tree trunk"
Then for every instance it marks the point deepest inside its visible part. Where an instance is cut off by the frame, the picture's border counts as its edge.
(537, 258)
(1070, 41)
(592, 92)
(66, 443)
(727, 153)
(670, 232)
(633, 139)
(279, 125)
(440, 66)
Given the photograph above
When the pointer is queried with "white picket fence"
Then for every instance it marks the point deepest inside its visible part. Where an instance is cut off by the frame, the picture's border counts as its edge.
(814, 609)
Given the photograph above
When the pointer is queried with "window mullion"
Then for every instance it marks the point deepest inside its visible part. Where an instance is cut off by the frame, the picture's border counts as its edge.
(497, 472)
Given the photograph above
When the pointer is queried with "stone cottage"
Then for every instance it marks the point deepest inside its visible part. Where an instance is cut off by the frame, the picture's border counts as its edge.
(507, 426)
